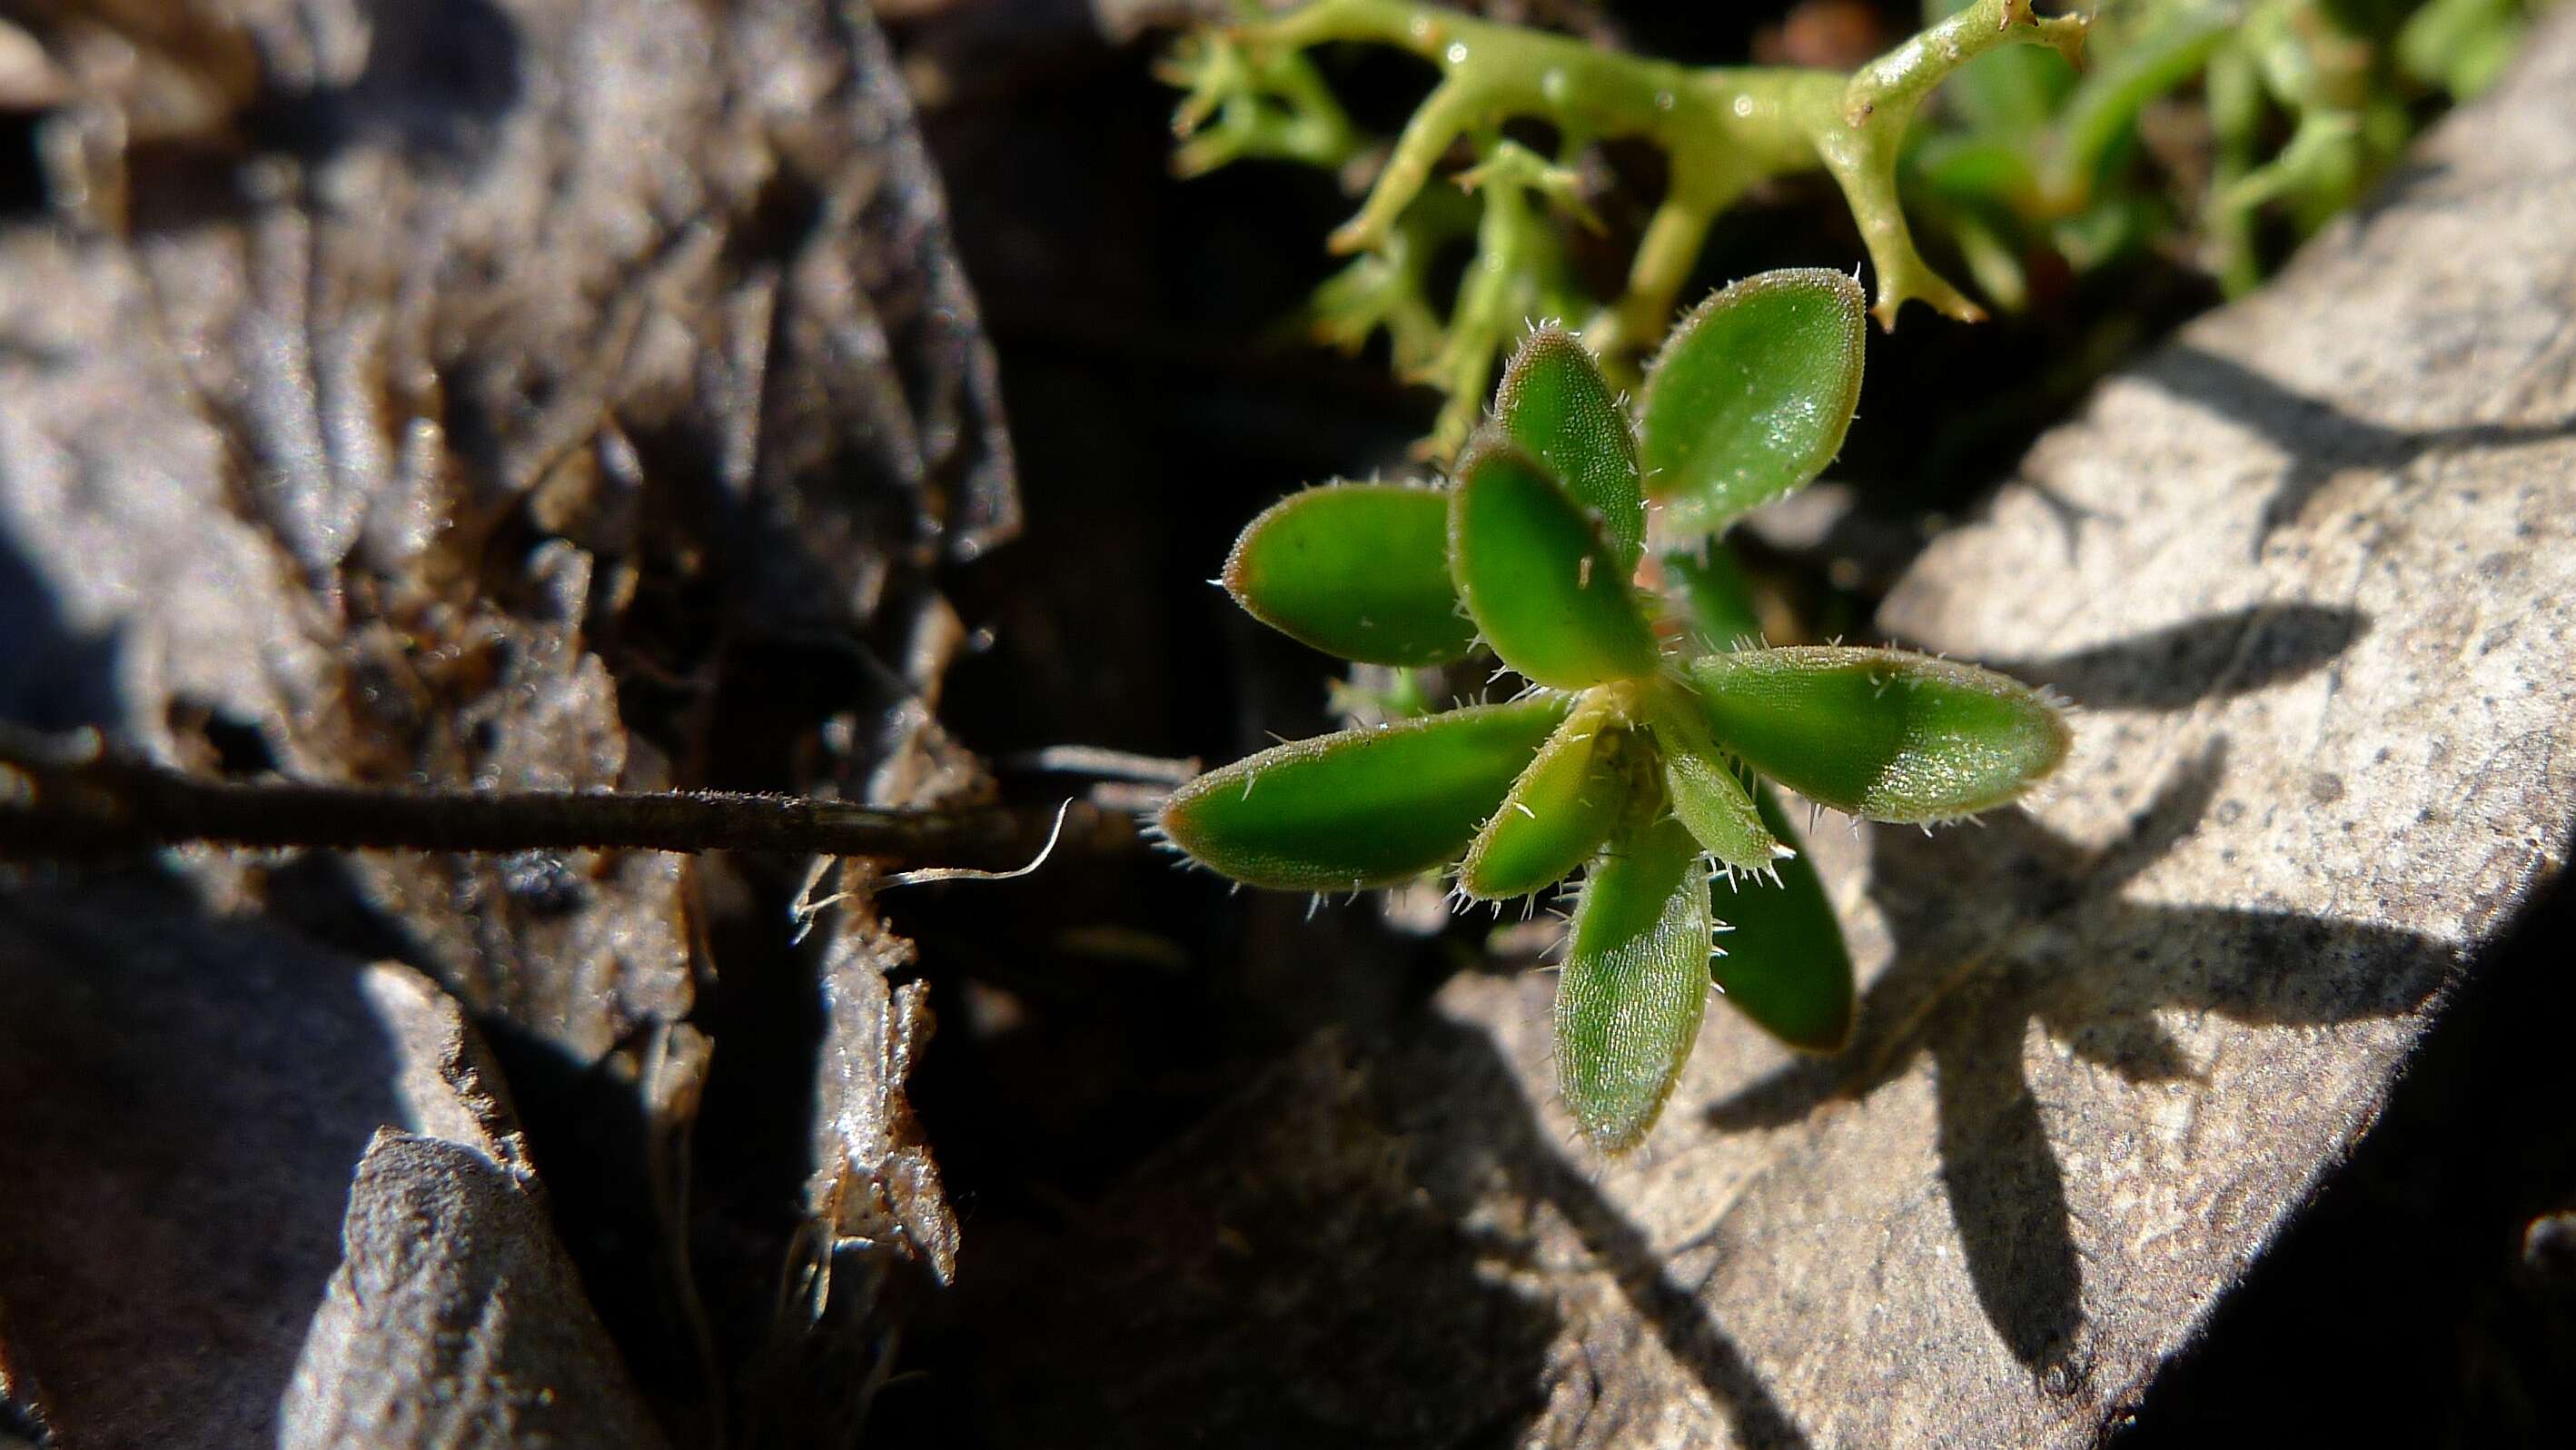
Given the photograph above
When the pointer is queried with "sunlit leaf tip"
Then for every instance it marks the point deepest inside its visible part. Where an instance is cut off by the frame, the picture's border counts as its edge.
(1880, 733)
(1706, 797)
(1555, 403)
(1358, 570)
(1713, 806)
(1752, 394)
(1363, 807)
(1542, 585)
(1635, 982)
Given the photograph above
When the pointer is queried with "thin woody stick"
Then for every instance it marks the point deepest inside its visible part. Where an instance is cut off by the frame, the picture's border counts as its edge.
(70, 796)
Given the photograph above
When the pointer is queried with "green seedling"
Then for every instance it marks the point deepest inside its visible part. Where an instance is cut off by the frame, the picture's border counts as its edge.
(1578, 546)
(1252, 93)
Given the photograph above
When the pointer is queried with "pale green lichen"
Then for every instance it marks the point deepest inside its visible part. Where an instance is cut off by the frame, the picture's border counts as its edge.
(1723, 129)
(2305, 101)
(2302, 102)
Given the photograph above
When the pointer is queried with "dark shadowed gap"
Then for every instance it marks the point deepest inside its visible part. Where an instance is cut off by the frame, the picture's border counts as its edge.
(24, 191)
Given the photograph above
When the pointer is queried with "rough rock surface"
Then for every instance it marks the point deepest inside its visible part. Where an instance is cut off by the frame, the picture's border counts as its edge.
(160, 1291)
(2309, 571)
(181, 1102)
(456, 1321)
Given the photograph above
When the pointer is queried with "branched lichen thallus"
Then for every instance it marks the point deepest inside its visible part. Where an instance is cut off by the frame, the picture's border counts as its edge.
(1638, 753)
(1251, 92)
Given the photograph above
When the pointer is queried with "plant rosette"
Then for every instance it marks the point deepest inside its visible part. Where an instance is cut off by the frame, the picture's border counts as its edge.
(1637, 758)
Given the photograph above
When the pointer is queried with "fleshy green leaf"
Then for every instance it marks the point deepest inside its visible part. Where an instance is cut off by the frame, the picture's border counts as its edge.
(1752, 395)
(1636, 979)
(1712, 804)
(1360, 570)
(1714, 598)
(1361, 808)
(1881, 733)
(1555, 404)
(1701, 783)
(1784, 963)
(1544, 588)
(1557, 814)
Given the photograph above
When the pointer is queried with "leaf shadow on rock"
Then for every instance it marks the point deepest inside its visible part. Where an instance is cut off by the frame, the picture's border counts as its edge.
(2322, 441)
(2092, 969)
(2181, 665)
(1321, 1263)
(1476, 1077)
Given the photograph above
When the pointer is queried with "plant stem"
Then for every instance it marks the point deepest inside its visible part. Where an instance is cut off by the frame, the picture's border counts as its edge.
(75, 798)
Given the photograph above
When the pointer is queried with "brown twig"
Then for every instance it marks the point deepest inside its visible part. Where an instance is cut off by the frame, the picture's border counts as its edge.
(72, 796)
